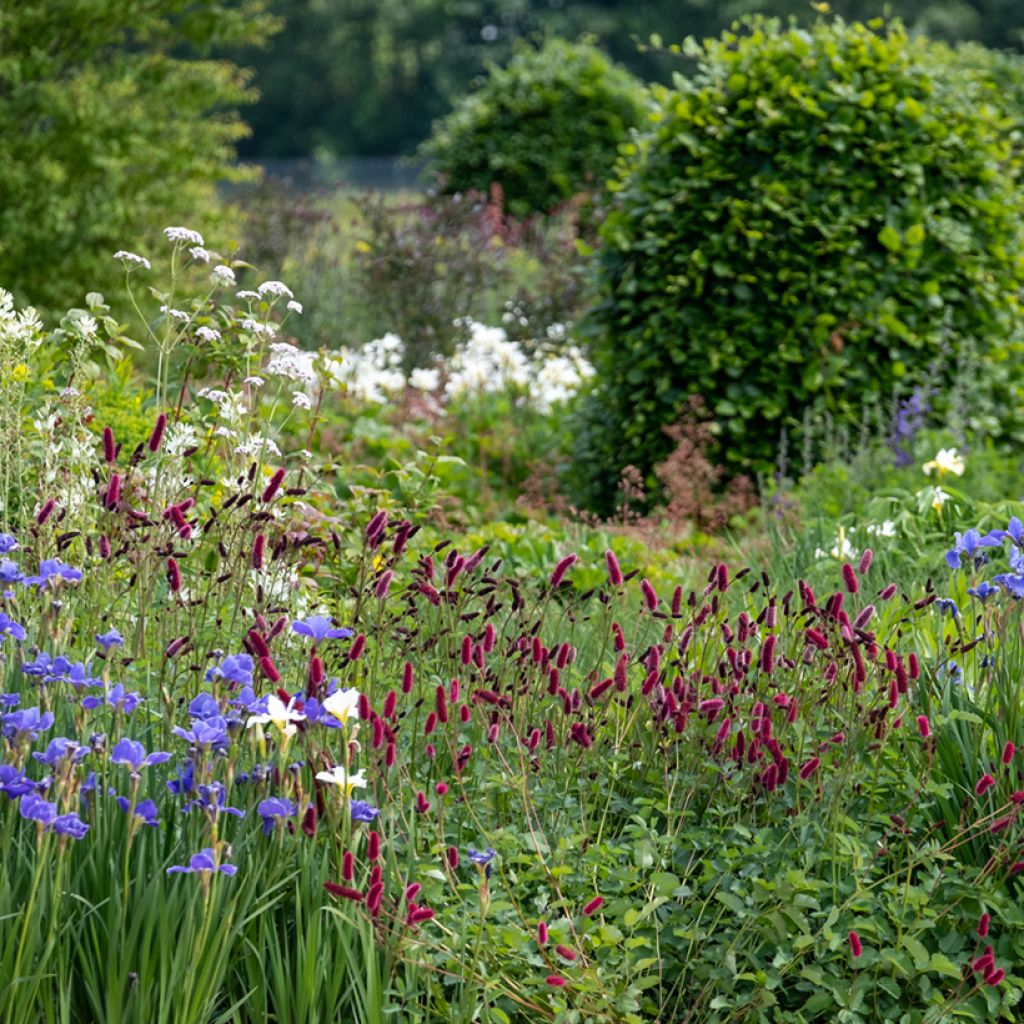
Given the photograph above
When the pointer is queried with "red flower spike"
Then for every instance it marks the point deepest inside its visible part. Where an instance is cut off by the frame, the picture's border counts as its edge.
(273, 487)
(850, 578)
(614, 570)
(109, 447)
(564, 565)
(855, 945)
(924, 727)
(983, 923)
(593, 906)
(344, 891)
(1008, 751)
(565, 952)
(555, 980)
(985, 783)
(542, 933)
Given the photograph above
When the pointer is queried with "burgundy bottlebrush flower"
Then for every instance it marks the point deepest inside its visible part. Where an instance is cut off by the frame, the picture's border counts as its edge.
(113, 495)
(104, 546)
(418, 915)
(722, 577)
(441, 789)
(850, 578)
(452, 857)
(768, 655)
(157, 437)
(924, 727)
(377, 732)
(620, 674)
(315, 675)
(257, 643)
(855, 945)
(711, 706)
(816, 637)
(173, 575)
(565, 952)
(378, 522)
(599, 689)
(464, 713)
(1008, 751)
(995, 977)
(593, 906)
(984, 963)
(259, 546)
(407, 676)
(983, 924)
(422, 803)
(273, 486)
(809, 767)
(358, 646)
(887, 592)
(176, 646)
(372, 846)
(344, 891)
(985, 783)
(46, 510)
(677, 601)
(650, 596)
(864, 617)
(390, 703)
(614, 570)
(390, 753)
(374, 895)
(109, 447)
(309, 821)
(269, 669)
(348, 866)
(555, 980)
(430, 723)
(542, 933)
(914, 665)
(1001, 824)
(493, 732)
(563, 566)
(865, 561)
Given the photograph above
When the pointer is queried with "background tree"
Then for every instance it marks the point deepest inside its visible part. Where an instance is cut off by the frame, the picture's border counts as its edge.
(114, 120)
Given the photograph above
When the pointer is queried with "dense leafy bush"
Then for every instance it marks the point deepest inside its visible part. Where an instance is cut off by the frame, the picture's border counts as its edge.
(109, 122)
(815, 217)
(545, 127)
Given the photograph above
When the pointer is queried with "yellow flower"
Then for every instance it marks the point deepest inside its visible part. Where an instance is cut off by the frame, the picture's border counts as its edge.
(362, 246)
(947, 460)
(339, 776)
(939, 499)
(21, 373)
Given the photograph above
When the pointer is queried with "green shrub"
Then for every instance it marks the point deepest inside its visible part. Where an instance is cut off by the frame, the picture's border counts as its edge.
(109, 125)
(816, 216)
(545, 127)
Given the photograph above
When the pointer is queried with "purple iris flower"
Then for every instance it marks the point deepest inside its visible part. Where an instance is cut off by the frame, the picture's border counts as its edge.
(249, 702)
(118, 698)
(184, 782)
(8, 543)
(482, 859)
(61, 750)
(70, 825)
(947, 604)
(200, 862)
(275, 809)
(211, 733)
(10, 572)
(983, 591)
(13, 782)
(969, 544)
(112, 638)
(146, 810)
(363, 811)
(133, 754)
(52, 569)
(1013, 585)
(211, 799)
(10, 700)
(26, 724)
(320, 628)
(8, 627)
(236, 668)
(34, 808)
(204, 707)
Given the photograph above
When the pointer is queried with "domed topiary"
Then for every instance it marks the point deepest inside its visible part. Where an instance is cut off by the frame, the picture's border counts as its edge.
(814, 214)
(545, 127)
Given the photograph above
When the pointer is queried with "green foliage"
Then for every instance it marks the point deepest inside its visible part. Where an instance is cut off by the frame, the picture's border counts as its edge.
(113, 120)
(544, 128)
(815, 217)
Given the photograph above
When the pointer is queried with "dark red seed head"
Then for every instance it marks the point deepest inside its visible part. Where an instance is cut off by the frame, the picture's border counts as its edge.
(157, 437)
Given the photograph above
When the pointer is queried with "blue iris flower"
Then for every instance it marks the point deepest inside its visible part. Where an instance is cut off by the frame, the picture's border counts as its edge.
(112, 638)
(8, 543)
(208, 734)
(483, 859)
(14, 782)
(969, 544)
(184, 782)
(133, 754)
(983, 591)
(10, 572)
(320, 628)
(211, 799)
(1013, 585)
(947, 604)
(8, 627)
(118, 698)
(202, 862)
(146, 810)
(203, 707)
(236, 668)
(52, 569)
(363, 811)
(26, 724)
(275, 809)
(61, 750)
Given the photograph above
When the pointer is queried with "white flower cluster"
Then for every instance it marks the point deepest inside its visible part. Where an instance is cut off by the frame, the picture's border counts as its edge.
(184, 235)
(19, 329)
(486, 363)
(291, 363)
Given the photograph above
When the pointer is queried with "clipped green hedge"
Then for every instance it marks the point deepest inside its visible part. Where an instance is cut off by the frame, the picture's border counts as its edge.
(545, 127)
(815, 215)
